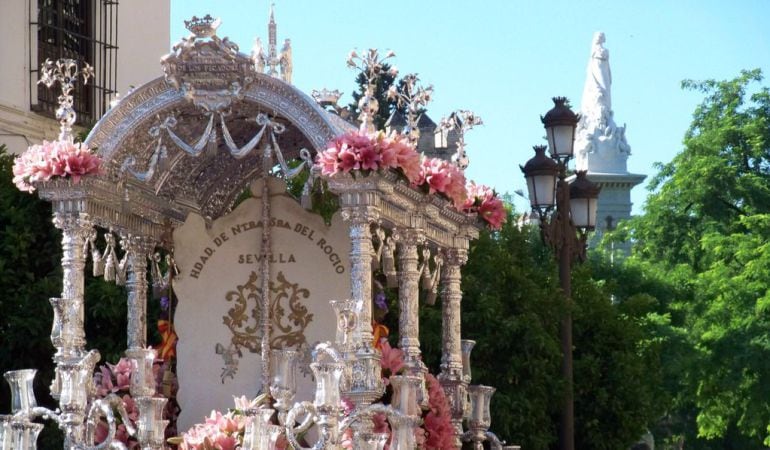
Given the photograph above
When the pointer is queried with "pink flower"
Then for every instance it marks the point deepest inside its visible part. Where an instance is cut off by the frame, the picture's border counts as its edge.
(493, 211)
(381, 425)
(348, 160)
(131, 408)
(392, 358)
(484, 201)
(328, 160)
(389, 149)
(224, 441)
(80, 162)
(434, 175)
(438, 424)
(102, 430)
(346, 441)
(53, 159)
(443, 177)
(369, 158)
(361, 151)
(103, 382)
(122, 372)
(281, 443)
(409, 162)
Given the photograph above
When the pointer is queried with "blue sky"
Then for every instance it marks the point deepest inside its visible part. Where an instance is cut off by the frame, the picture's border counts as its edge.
(505, 59)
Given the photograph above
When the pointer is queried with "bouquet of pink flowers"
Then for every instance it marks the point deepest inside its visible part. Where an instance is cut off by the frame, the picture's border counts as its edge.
(53, 159)
(443, 177)
(484, 201)
(219, 431)
(370, 152)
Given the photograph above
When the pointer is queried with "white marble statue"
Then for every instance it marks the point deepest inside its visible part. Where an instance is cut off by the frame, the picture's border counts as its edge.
(599, 77)
(285, 61)
(600, 145)
(258, 55)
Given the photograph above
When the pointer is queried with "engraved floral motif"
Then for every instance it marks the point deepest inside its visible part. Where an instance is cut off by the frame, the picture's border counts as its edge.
(289, 319)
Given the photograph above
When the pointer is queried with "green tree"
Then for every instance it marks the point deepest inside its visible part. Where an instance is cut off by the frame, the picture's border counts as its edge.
(705, 230)
(512, 307)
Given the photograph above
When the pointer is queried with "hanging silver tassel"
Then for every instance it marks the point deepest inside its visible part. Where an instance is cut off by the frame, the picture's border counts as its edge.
(430, 299)
(306, 199)
(157, 276)
(378, 238)
(389, 263)
(110, 262)
(426, 280)
(212, 147)
(120, 273)
(96, 258)
(173, 269)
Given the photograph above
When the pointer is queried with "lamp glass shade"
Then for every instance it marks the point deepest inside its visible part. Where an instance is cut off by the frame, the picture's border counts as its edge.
(542, 190)
(583, 212)
(561, 140)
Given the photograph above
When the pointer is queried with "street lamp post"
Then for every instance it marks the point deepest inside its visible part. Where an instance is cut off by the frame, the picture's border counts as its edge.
(567, 211)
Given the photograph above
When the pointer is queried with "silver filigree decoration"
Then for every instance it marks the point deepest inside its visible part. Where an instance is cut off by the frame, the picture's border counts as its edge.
(160, 160)
(66, 72)
(413, 98)
(372, 66)
(209, 71)
(461, 120)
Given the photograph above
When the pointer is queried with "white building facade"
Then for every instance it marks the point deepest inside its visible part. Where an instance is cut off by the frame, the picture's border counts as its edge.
(122, 40)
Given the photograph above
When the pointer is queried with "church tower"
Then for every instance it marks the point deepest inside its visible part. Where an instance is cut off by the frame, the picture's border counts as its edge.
(600, 145)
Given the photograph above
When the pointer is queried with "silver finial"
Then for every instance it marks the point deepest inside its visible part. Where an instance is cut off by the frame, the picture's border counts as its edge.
(66, 72)
(460, 120)
(413, 98)
(371, 65)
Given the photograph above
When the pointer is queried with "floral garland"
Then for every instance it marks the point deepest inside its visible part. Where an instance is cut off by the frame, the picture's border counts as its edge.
(54, 159)
(363, 152)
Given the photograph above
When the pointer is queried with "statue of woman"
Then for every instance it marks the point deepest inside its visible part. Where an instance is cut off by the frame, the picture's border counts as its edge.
(599, 77)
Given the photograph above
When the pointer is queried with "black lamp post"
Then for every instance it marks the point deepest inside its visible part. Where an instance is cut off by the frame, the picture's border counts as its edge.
(563, 228)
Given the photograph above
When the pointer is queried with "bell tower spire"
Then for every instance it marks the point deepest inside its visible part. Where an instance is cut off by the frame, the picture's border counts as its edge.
(273, 59)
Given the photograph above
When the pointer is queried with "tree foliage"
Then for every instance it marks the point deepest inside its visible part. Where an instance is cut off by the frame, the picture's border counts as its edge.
(705, 234)
(512, 308)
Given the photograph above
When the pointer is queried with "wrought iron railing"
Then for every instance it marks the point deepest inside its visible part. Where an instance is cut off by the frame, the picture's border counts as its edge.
(83, 30)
